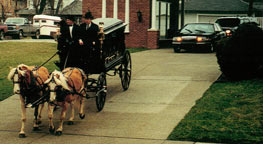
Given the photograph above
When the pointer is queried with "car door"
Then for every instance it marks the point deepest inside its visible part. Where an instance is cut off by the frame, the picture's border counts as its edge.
(26, 28)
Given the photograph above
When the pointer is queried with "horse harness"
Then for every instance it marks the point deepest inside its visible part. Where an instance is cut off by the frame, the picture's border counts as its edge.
(31, 91)
(61, 94)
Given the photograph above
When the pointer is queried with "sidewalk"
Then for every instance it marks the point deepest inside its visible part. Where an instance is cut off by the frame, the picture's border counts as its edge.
(163, 89)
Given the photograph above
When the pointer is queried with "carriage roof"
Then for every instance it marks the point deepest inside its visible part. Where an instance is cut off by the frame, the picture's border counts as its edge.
(110, 24)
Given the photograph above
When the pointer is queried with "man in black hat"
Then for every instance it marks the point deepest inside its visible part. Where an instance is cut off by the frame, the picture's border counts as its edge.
(89, 39)
(89, 30)
(70, 49)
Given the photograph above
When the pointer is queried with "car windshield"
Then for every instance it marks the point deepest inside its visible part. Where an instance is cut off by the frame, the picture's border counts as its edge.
(198, 28)
(14, 21)
(228, 22)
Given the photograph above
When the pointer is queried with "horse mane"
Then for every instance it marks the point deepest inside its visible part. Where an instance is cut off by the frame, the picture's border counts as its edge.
(60, 78)
(22, 69)
(11, 74)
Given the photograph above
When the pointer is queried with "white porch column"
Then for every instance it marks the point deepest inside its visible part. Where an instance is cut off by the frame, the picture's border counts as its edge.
(127, 15)
(115, 9)
(153, 26)
(103, 9)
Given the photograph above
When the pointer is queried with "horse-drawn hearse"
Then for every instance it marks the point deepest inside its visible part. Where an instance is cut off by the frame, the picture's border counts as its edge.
(36, 85)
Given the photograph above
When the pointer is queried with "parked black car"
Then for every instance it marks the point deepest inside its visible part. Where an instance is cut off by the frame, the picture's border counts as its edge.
(198, 36)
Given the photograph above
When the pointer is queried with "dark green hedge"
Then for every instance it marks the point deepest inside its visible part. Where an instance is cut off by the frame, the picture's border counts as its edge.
(241, 56)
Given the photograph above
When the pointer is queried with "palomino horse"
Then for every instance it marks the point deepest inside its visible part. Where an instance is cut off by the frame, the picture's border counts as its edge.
(65, 88)
(29, 85)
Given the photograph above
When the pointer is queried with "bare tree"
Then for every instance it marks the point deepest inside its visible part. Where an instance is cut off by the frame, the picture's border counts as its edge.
(52, 6)
(58, 6)
(250, 7)
(3, 12)
(42, 6)
(36, 4)
(7, 8)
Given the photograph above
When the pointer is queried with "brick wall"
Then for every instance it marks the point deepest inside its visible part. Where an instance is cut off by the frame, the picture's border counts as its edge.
(138, 35)
(153, 39)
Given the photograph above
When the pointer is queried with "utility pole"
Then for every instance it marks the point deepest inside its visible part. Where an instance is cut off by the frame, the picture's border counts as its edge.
(250, 7)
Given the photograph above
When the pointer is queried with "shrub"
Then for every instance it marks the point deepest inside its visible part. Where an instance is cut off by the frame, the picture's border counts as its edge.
(241, 56)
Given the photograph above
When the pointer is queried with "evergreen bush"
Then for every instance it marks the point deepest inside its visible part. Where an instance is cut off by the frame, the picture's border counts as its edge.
(241, 56)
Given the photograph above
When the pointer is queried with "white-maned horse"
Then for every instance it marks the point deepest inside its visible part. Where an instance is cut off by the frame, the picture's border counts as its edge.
(65, 88)
(29, 85)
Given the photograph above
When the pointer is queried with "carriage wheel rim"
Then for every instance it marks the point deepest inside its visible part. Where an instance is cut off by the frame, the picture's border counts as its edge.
(125, 73)
(101, 98)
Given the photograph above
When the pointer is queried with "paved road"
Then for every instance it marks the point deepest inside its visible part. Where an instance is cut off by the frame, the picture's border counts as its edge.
(163, 89)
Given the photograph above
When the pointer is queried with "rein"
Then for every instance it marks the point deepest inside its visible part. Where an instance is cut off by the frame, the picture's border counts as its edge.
(32, 89)
(37, 67)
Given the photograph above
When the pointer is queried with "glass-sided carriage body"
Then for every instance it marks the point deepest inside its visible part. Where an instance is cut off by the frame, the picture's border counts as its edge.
(107, 54)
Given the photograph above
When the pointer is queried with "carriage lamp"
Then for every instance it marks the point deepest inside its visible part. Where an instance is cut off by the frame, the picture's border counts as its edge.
(139, 15)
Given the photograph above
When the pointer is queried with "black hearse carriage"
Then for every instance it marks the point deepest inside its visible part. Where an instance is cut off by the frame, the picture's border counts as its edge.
(109, 54)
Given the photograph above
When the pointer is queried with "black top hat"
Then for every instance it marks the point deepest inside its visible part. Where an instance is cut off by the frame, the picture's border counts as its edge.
(88, 15)
(70, 17)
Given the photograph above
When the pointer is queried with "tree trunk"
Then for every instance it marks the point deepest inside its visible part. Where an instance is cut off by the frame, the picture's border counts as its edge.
(58, 6)
(3, 12)
(250, 7)
(42, 6)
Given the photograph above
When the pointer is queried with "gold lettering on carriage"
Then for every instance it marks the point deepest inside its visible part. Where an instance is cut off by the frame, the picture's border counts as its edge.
(110, 58)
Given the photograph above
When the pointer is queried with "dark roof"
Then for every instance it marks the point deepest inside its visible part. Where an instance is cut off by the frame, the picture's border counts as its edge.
(217, 6)
(26, 12)
(75, 8)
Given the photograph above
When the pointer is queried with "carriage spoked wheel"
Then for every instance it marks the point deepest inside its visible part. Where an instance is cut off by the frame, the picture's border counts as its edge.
(102, 91)
(126, 70)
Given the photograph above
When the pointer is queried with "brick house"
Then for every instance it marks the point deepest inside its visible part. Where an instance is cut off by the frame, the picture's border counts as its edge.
(140, 15)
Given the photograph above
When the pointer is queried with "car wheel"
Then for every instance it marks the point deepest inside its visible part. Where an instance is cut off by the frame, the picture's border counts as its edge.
(212, 49)
(37, 35)
(177, 49)
(20, 35)
(2, 35)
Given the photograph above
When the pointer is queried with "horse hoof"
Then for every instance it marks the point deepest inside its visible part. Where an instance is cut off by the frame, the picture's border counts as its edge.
(70, 123)
(51, 130)
(58, 133)
(36, 129)
(39, 122)
(82, 116)
(22, 136)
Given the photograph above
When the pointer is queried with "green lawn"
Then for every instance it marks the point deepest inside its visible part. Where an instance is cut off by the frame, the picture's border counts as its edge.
(228, 112)
(15, 53)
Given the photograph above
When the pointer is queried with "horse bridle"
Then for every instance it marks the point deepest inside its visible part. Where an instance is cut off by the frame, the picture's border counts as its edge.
(17, 82)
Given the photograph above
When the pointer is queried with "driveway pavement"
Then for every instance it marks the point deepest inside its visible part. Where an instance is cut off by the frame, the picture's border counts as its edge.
(163, 89)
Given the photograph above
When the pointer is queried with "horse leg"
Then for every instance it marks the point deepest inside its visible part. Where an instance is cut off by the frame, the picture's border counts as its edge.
(50, 116)
(35, 126)
(81, 108)
(23, 119)
(40, 109)
(62, 117)
(70, 122)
